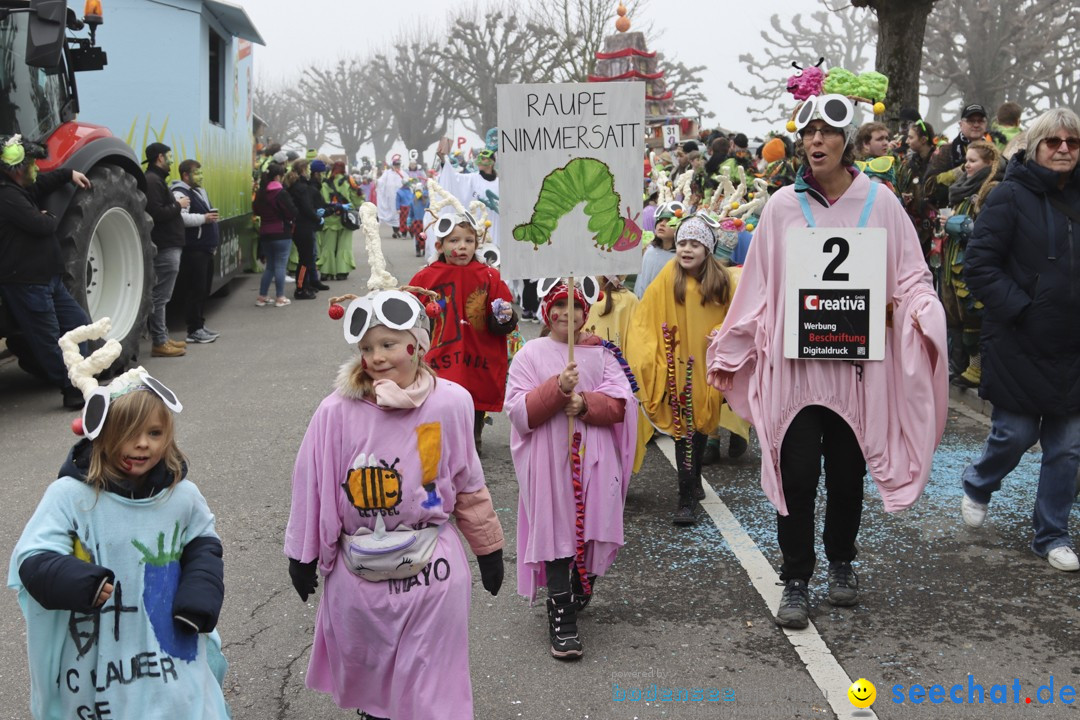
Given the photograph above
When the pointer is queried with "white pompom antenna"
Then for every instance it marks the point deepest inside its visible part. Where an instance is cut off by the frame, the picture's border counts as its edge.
(380, 279)
(82, 370)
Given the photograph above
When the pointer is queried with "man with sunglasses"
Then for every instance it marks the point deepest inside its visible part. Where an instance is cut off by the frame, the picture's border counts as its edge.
(1020, 263)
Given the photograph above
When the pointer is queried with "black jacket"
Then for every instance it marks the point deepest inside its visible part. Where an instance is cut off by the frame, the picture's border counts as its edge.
(1023, 263)
(168, 229)
(29, 249)
(64, 582)
(308, 199)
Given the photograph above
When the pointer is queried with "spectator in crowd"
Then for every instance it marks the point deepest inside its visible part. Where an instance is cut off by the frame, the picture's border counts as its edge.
(202, 237)
(303, 185)
(972, 127)
(31, 263)
(1018, 265)
(871, 141)
(275, 206)
(718, 154)
(169, 237)
(1006, 123)
(911, 180)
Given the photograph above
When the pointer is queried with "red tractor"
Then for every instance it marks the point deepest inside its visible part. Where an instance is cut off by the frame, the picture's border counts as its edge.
(104, 231)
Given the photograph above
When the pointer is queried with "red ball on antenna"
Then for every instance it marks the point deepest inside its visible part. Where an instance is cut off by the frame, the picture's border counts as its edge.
(77, 426)
(336, 312)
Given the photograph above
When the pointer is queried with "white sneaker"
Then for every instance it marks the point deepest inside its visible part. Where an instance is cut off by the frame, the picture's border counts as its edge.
(1063, 558)
(973, 513)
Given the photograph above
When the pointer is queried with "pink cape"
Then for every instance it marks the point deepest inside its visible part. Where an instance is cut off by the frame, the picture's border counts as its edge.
(899, 407)
(397, 648)
(546, 508)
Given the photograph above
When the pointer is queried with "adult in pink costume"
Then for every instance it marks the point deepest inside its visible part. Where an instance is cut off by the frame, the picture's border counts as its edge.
(539, 443)
(890, 413)
(395, 648)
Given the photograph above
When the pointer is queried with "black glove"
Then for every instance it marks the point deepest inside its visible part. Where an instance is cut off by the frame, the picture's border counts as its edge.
(491, 571)
(304, 577)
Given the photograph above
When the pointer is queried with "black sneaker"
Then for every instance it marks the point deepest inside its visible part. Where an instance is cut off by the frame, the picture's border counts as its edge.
(736, 447)
(304, 295)
(562, 626)
(794, 611)
(843, 585)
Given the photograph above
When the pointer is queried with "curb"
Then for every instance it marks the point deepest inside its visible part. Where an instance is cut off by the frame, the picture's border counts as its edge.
(971, 400)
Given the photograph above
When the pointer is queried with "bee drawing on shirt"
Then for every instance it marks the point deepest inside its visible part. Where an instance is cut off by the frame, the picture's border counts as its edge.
(373, 486)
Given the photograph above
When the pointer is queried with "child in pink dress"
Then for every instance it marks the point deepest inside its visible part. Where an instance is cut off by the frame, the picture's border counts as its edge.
(387, 459)
(570, 515)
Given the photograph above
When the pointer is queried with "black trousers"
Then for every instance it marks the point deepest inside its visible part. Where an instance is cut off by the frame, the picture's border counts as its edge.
(818, 432)
(196, 276)
(529, 301)
(306, 273)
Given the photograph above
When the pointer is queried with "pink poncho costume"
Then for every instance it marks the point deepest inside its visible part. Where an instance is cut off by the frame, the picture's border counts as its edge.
(896, 407)
(540, 447)
(394, 648)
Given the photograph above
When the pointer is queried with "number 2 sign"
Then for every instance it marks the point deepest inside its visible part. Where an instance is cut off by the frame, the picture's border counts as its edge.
(835, 295)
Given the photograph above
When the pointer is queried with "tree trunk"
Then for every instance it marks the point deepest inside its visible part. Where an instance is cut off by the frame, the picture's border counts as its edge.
(901, 26)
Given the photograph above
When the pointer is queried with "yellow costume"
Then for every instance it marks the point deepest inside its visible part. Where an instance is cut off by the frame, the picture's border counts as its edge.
(646, 353)
(615, 327)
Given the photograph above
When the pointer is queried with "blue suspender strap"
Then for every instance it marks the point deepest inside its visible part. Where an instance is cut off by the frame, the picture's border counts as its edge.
(805, 204)
(863, 219)
(869, 204)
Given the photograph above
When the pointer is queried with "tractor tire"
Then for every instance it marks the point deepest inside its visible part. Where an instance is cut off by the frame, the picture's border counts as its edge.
(109, 256)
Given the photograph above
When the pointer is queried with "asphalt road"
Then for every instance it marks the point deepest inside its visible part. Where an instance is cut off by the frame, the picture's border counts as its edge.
(679, 609)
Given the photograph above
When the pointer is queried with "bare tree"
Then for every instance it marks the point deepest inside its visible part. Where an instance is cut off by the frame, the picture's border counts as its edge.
(989, 51)
(685, 83)
(341, 95)
(312, 127)
(489, 48)
(278, 110)
(901, 26)
(418, 101)
(840, 37)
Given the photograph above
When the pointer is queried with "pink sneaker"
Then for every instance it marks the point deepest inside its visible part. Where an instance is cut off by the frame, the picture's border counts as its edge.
(261, 301)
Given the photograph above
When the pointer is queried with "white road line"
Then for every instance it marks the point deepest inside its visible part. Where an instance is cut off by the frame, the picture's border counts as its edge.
(826, 672)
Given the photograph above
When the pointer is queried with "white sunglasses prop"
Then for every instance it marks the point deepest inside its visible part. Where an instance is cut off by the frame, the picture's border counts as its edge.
(490, 254)
(446, 223)
(396, 309)
(707, 218)
(588, 286)
(671, 208)
(836, 110)
(97, 405)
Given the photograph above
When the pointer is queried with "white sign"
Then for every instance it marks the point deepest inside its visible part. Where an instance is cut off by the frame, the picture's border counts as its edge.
(835, 304)
(671, 136)
(570, 178)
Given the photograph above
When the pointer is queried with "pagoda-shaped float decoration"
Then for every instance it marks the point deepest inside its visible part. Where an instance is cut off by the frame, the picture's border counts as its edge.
(626, 57)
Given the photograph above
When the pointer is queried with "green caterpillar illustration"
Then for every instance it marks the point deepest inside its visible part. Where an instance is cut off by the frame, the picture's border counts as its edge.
(582, 179)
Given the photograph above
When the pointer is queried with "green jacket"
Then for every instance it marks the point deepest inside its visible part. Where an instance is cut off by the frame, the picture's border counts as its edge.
(337, 189)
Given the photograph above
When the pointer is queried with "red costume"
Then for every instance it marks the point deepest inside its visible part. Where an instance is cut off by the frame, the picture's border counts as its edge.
(467, 345)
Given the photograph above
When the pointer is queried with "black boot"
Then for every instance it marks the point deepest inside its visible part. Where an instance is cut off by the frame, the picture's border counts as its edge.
(685, 513)
(562, 626)
(737, 446)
